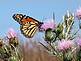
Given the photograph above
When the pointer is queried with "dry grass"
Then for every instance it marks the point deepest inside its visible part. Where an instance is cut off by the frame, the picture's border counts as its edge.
(36, 53)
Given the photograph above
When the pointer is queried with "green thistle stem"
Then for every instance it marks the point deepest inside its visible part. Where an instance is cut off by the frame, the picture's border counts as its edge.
(45, 46)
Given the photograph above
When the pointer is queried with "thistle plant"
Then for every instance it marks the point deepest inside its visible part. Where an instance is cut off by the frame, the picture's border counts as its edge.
(10, 51)
(61, 41)
(65, 47)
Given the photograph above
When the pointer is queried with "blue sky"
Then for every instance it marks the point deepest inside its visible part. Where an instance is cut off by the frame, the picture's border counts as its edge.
(38, 9)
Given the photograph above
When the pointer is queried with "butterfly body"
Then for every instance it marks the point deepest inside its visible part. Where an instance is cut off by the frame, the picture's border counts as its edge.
(28, 25)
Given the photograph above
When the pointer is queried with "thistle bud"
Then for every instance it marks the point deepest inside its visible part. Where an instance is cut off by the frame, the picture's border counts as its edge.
(49, 35)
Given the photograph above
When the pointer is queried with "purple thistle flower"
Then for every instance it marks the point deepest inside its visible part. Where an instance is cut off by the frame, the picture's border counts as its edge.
(64, 45)
(48, 24)
(78, 13)
(11, 33)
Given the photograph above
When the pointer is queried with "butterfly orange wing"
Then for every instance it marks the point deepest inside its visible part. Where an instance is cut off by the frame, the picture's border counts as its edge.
(29, 27)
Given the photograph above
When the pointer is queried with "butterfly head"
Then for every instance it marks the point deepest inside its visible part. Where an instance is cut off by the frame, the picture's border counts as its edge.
(18, 17)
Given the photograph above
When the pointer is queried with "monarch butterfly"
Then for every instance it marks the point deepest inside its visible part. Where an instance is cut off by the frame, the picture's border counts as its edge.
(28, 25)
